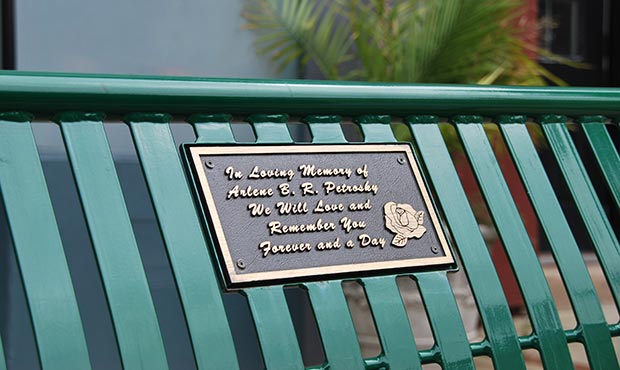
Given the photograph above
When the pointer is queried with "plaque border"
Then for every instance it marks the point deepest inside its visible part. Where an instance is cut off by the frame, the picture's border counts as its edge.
(202, 190)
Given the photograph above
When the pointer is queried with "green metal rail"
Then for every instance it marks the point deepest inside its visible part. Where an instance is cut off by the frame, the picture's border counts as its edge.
(50, 93)
(81, 103)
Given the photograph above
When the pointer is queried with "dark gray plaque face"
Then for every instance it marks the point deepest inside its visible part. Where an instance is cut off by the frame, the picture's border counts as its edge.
(311, 212)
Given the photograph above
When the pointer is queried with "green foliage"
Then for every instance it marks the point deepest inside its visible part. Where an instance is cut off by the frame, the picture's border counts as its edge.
(439, 41)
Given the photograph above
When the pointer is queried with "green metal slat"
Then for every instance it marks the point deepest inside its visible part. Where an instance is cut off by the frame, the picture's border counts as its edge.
(530, 277)
(594, 331)
(335, 325)
(478, 266)
(274, 326)
(328, 302)
(53, 92)
(445, 320)
(212, 128)
(270, 128)
(392, 323)
(326, 129)
(384, 300)
(604, 151)
(191, 263)
(268, 305)
(133, 314)
(376, 128)
(437, 294)
(38, 247)
(584, 195)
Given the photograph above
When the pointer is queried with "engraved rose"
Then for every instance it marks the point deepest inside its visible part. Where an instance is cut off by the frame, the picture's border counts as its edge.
(404, 221)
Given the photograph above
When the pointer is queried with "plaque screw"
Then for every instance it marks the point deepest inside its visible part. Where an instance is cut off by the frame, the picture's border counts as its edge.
(209, 164)
(434, 249)
(240, 264)
(401, 160)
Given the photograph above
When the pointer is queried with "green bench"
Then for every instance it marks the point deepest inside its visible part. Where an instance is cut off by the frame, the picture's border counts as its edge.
(81, 104)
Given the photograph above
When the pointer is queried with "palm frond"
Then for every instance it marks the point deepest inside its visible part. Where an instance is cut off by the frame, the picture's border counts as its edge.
(290, 29)
(441, 41)
(477, 44)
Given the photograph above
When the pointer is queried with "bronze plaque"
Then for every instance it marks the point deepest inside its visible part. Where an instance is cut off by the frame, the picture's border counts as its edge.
(280, 213)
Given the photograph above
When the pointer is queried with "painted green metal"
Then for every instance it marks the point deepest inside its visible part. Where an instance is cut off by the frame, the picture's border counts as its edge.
(594, 331)
(392, 323)
(376, 128)
(270, 128)
(494, 312)
(446, 323)
(274, 326)
(602, 234)
(191, 263)
(334, 321)
(326, 129)
(435, 290)
(133, 314)
(38, 247)
(604, 151)
(54, 92)
(383, 296)
(212, 127)
(534, 288)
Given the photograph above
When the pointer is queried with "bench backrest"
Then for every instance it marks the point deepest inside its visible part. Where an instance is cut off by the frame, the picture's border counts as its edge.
(148, 105)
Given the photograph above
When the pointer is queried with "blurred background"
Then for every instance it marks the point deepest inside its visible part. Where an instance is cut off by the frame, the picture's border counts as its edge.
(208, 38)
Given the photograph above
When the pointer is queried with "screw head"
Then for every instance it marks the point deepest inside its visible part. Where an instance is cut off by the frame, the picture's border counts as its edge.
(434, 249)
(240, 264)
(209, 164)
(401, 160)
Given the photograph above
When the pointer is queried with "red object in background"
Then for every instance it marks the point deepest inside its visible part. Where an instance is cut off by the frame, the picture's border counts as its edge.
(529, 22)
